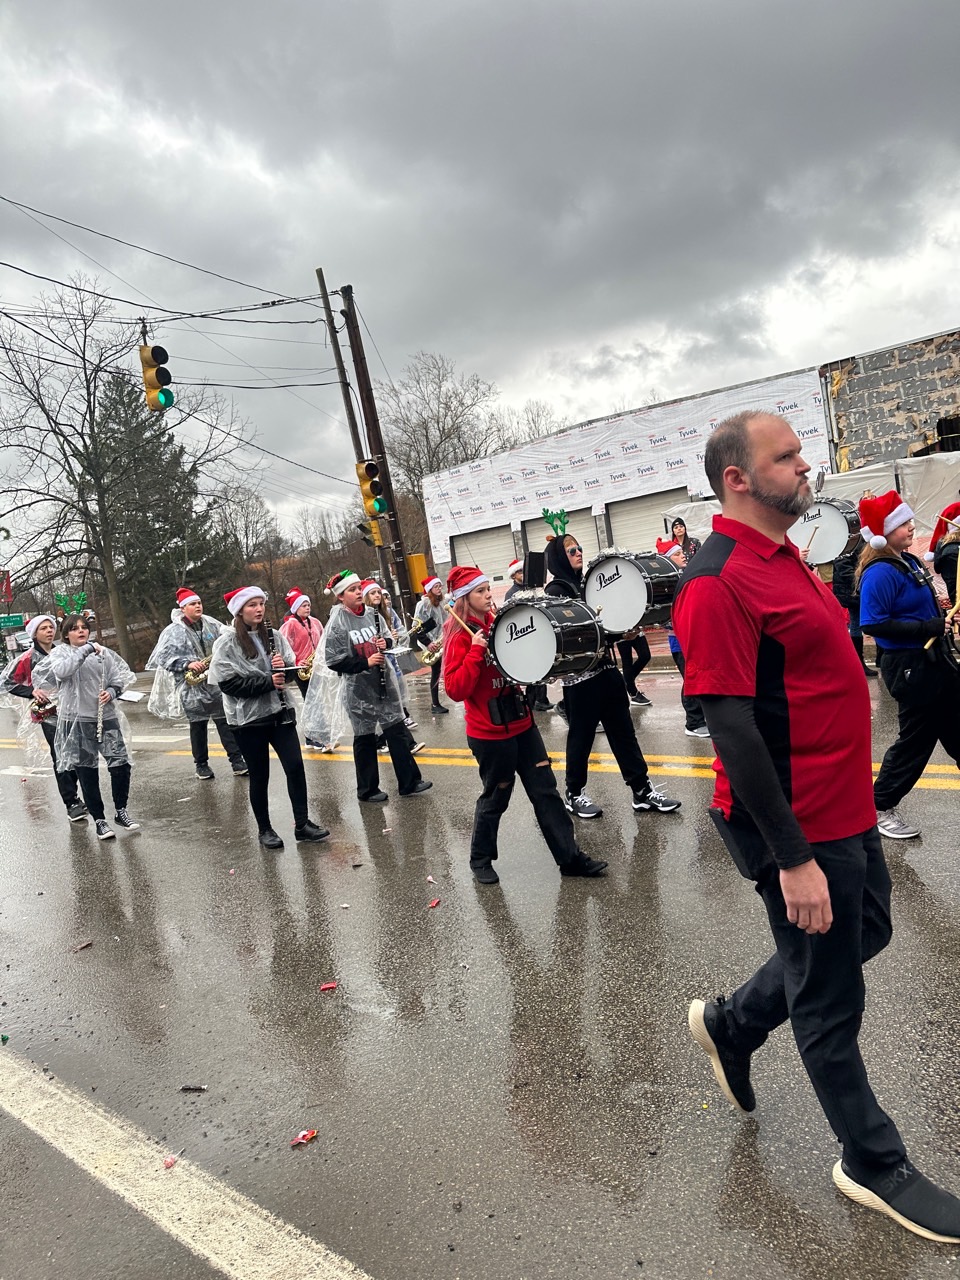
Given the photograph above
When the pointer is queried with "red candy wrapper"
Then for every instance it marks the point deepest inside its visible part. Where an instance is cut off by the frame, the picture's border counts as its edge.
(329, 986)
(303, 1137)
(435, 902)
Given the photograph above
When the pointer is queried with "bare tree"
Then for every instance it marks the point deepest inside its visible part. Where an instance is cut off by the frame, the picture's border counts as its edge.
(79, 487)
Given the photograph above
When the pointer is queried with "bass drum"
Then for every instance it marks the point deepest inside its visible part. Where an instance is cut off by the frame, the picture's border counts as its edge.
(829, 530)
(626, 588)
(537, 637)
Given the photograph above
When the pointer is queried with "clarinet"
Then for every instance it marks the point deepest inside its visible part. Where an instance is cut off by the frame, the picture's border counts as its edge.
(271, 650)
(382, 669)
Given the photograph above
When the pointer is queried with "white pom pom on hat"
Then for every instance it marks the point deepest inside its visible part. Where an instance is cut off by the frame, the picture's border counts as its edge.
(878, 542)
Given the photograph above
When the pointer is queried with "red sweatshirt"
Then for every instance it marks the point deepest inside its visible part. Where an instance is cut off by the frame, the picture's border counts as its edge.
(470, 677)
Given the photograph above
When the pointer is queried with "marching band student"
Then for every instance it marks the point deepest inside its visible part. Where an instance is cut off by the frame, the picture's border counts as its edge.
(302, 632)
(401, 635)
(899, 608)
(597, 698)
(502, 735)
(18, 680)
(374, 597)
(429, 610)
(249, 667)
(187, 645)
(89, 680)
(355, 644)
(695, 724)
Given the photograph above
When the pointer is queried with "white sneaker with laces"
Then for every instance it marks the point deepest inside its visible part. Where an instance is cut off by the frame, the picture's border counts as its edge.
(653, 799)
(890, 823)
(702, 732)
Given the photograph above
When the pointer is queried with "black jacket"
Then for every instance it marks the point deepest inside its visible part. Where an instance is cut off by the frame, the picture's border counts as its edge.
(566, 581)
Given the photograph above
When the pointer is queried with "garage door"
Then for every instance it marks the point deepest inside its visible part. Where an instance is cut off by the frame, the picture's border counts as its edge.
(489, 549)
(637, 523)
(580, 523)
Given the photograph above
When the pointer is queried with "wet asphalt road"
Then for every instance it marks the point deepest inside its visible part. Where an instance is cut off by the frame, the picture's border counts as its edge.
(503, 1086)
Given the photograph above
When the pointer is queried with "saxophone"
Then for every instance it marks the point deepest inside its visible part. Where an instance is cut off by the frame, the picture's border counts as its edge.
(306, 671)
(424, 655)
(197, 677)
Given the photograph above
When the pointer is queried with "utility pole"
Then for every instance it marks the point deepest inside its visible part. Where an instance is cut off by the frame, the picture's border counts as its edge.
(375, 439)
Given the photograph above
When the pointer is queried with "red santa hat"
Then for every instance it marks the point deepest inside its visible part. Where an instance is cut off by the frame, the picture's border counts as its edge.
(31, 627)
(515, 566)
(368, 584)
(668, 547)
(952, 512)
(186, 595)
(236, 599)
(880, 516)
(340, 581)
(295, 599)
(462, 579)
(428, 584)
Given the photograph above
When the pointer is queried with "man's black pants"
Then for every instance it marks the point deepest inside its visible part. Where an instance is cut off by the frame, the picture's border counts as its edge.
(634, 656)
(200, 749)
(693, 711)
(365, 762)
(255, 741)
(816, 980)
(89, 780)
(927, 714)
(501, 761)
(66, 781)
(602, 700)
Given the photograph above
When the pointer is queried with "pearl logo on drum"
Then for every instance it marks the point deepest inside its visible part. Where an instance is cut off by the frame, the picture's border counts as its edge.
(517, 633)
(605, 579)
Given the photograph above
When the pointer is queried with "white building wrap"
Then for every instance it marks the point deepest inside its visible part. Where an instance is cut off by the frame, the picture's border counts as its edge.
(628, 455)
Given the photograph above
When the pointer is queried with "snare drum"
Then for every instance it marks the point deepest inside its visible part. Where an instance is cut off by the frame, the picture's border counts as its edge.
(536, 637)
(627, 589)
(830, 529)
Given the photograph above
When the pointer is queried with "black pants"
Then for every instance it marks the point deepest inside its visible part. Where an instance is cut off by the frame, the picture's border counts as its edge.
(435, 683)
(198, 742)
(928, 711)
(255, 741)
(501, 761)
(695, 719)
(816, 980)
(302, 685)
(634, 656)
(67, 781)
(602, 700)
(365, 762)
(89, 780)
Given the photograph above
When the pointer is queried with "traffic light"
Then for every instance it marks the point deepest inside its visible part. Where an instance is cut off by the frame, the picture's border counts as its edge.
(156, 378)
(374, 503)
(370, 533)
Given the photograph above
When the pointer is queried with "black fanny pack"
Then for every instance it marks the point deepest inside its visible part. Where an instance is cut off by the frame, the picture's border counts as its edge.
(507, 707)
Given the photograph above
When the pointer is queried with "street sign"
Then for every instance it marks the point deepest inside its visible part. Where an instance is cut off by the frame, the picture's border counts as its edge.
(11, 621)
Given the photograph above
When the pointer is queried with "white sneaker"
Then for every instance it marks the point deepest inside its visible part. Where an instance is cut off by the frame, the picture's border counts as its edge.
(417, 746)
(892, 825)
(702, 732)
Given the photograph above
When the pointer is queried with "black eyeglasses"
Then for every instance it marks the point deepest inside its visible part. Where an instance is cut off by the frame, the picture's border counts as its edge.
(572, 551)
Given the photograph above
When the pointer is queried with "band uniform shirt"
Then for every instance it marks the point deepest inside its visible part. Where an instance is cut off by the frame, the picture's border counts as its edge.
(754, 622)
(887, 593)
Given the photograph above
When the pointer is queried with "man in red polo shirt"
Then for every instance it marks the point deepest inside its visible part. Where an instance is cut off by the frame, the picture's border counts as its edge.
(788, 709)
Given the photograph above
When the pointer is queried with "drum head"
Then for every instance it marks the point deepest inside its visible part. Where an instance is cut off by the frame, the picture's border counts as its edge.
(523, 643)
(828, 530)
(616, 587)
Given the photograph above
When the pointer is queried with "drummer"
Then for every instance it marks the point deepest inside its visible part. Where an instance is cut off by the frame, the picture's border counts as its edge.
(597, 697)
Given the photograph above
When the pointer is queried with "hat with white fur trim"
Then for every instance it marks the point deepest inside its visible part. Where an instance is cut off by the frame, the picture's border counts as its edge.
(880, 516)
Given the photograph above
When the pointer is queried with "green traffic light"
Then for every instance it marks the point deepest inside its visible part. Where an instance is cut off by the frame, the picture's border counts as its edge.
(165, 397)
(380, 506)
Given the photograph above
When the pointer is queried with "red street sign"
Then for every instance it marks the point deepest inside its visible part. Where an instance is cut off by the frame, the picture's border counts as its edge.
(6, 589)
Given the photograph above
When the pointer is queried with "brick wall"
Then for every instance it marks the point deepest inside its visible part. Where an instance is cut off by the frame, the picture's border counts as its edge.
(886, 405)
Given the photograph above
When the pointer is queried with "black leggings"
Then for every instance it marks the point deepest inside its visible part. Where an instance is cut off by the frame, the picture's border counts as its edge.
(90, 789)
(602, 700)
(255, 741)
(633, 665)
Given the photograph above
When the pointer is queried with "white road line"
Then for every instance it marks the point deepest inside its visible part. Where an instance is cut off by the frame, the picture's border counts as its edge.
(216, 1223)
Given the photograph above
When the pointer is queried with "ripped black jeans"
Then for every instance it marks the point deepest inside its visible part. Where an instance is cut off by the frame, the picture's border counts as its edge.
(501, 761)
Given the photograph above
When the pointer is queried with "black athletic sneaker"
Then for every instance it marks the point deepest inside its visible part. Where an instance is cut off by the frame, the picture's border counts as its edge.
(422, 785)
(438, 710)
(377, 797)
(640, 699)
(77, 811)
(650, 798)
(205, 772)
(123, 819)
(310, 833)
(906, 1196)
(103, 830)
(270, 840)
(581, 806)
(732, 1070)
(484, 873)
(581, 865)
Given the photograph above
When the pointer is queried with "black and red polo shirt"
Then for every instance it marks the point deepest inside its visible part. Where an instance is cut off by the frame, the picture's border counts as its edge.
(754, 622)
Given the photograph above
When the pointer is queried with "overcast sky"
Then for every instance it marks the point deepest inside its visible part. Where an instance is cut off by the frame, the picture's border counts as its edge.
(579, 202)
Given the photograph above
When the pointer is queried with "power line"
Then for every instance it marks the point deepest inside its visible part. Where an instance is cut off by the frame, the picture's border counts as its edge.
(128, 244)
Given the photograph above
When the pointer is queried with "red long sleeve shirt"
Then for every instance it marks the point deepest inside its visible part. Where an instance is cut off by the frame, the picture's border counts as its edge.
(470, 677)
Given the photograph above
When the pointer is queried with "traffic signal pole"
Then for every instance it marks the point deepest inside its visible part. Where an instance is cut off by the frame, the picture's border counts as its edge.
(408, 592)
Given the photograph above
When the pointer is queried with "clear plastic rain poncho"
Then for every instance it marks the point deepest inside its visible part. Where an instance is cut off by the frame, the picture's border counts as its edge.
(179, 645)
(230, 662)
(349, 640)
(30, 737)
(324, 719)
(76, 675)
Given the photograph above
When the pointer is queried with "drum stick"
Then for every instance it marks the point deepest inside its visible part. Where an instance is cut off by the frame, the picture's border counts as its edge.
(456, 617)
(812, 536)
(950, 617)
